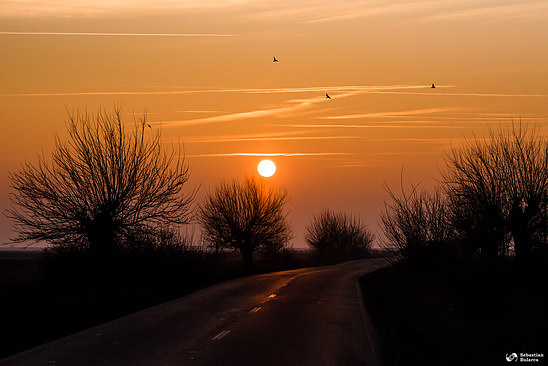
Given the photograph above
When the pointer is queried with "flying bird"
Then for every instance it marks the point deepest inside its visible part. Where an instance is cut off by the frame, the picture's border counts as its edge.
(433, 86)
(275, 60)
(327, 96)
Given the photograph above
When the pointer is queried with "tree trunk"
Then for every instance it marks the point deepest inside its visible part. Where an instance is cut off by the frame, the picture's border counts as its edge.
(247, 256)
(101, 236)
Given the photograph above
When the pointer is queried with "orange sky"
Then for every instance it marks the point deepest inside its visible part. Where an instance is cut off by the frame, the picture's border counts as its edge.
(203, 71)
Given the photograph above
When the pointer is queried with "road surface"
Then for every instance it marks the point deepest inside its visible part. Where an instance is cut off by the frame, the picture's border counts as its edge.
(309, 316)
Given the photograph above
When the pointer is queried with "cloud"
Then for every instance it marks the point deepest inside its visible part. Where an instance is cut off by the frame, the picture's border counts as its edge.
(491, 13)
(376, 10)
(287, 135)
(102, 34)
(198, 111)
(294, 104)
(318, 89)
(89, 93)
(341, 88)
(235, 116)
(277, 111)
(389, 114)
(377, 125)
(92, 8)
(282, 154)
(358, 164)
(463, 94)
(415, 11)
(249, 139)
(303, 11)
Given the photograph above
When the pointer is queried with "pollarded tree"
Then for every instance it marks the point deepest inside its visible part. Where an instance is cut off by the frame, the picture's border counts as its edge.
(105, 184)
(502, 184)
(245, 216)
(337, 233)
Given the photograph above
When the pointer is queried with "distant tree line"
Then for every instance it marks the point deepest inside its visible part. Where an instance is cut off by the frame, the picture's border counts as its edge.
(492, 202)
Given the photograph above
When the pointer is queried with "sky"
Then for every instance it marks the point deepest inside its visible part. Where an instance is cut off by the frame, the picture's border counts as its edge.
(203, 73)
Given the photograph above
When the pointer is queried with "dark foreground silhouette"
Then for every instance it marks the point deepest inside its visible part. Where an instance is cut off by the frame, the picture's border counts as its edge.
(458, 314)
(309, 316)
(44, 298)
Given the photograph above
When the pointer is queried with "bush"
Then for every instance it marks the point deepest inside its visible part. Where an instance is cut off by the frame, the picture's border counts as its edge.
(338, 234)
(417, 228)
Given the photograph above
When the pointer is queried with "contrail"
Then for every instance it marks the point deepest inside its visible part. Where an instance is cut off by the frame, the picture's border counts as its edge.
(100, 34)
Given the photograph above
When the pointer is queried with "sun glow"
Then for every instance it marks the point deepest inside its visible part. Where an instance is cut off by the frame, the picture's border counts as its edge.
(266, 168)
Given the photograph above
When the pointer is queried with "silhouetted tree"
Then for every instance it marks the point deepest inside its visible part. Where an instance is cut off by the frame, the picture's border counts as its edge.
(338, 233)
(497, 186)
(244, 216)
(416, 226)
(103, 185)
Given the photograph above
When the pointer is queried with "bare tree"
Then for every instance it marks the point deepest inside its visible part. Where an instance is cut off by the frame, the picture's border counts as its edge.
(416, 225)
(101, 186)
(245, 216)
(498, 188)
(338, 233)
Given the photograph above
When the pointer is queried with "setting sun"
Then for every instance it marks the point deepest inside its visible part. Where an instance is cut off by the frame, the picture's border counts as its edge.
(266, 168)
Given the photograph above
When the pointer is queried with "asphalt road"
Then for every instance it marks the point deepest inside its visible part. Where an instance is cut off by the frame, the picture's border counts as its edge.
(309, 316)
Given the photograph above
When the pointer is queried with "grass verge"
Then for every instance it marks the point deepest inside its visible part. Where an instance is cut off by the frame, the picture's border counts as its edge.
(458, 314)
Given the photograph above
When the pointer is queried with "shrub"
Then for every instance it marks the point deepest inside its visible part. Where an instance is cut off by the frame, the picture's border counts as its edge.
(339, 234)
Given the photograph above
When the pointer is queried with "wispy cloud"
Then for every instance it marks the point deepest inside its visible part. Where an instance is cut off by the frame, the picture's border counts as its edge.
(250, 139)
(276, 111)
(357, 165)
(390, 113)
(460, 94)
(492, 12)
(431, 140)
(103, 34)
(199, 112)
(343, 88)
(92, 8)
(376, 10)
(304, 11)
(415, 11)
(282, 154)
(371, 126)
(290, 106)
(318, 89)
(235, 116)
(100, 93)
(273, 136)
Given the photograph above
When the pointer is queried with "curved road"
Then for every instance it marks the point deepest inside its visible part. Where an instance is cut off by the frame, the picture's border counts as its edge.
(309, 316)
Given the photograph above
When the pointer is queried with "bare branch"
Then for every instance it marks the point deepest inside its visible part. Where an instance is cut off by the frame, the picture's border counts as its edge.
(103, 184)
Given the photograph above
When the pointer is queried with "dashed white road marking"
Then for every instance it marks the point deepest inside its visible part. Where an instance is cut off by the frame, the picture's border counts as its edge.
(255, 309)
(272, 296)
(221, 335)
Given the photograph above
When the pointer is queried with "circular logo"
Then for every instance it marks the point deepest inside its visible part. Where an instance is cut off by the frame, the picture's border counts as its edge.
(511, 357)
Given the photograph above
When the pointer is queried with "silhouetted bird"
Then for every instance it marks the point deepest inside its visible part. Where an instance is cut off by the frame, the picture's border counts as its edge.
(433, 86)
(327, 96)
(275, 59)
